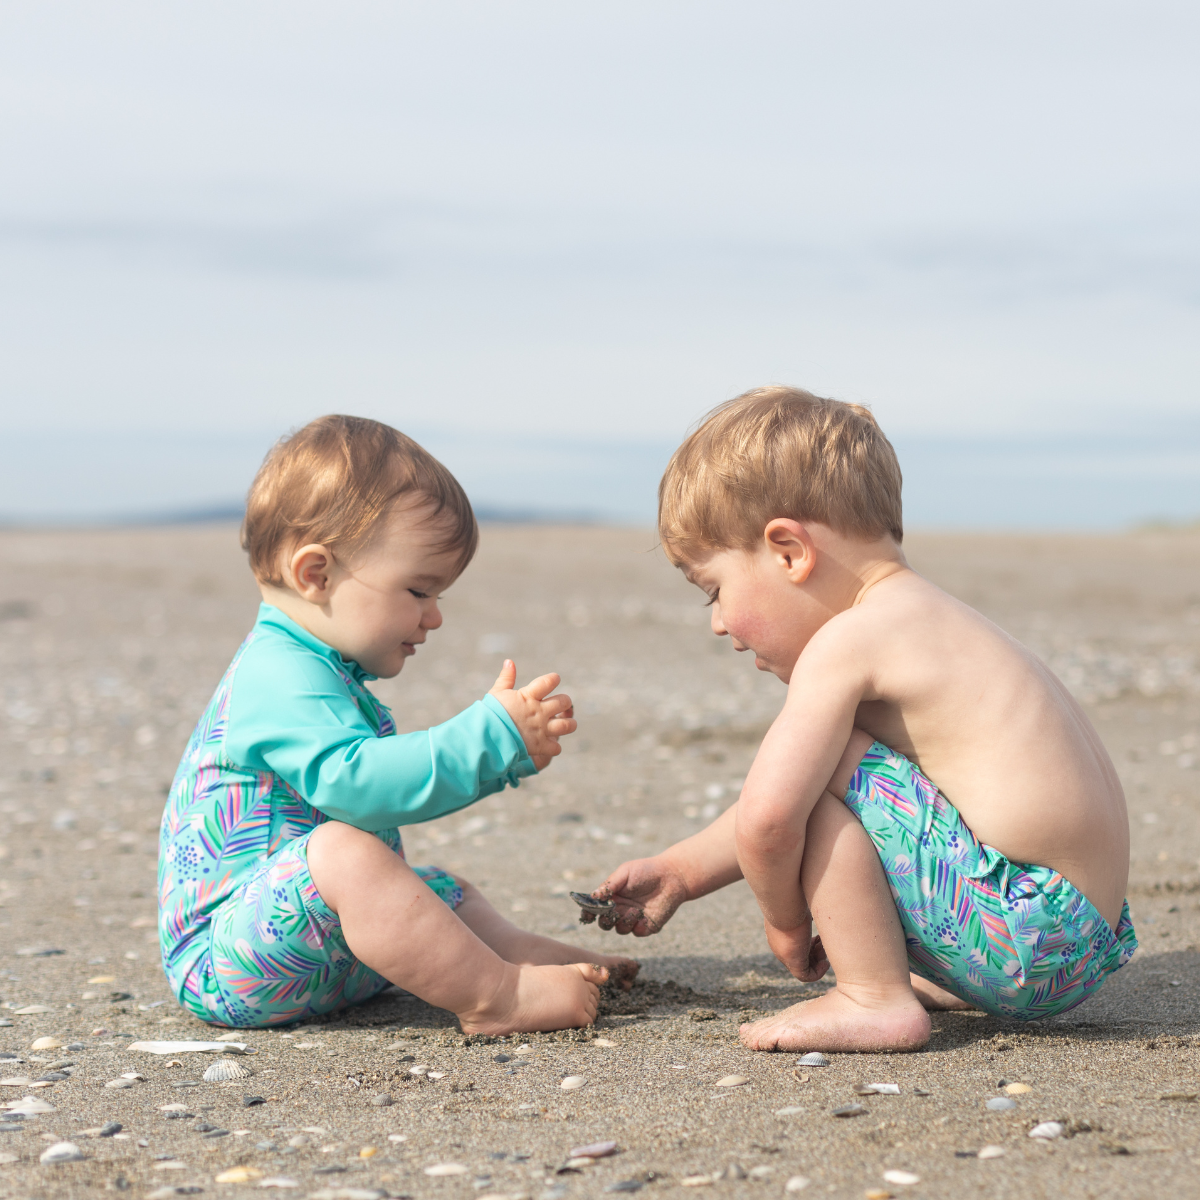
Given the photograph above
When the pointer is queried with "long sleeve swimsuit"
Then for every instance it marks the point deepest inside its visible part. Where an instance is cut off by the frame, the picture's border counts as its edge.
(292, 738)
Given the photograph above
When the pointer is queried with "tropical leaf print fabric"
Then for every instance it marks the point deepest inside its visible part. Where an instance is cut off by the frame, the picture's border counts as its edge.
(1016, 940)
(292, 738)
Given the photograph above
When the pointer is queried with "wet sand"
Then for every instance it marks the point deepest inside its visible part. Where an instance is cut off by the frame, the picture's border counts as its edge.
(111, 643)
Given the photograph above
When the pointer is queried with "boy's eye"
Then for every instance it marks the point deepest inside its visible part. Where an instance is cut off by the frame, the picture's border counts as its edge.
(712, 599)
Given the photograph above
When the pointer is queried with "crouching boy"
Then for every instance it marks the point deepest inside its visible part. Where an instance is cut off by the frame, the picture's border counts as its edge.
(930, 794)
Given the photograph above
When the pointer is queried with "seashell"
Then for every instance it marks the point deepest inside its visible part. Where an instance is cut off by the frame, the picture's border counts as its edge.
(595, 1150)
(1018, 1089)
(904, 1178)
(121, 1083)
(16, 1081)
(589, 904)
(763, 1172)
(30, 1010)
(225, 1068)
(30, 1106)
(733, 1080)
(1047, 1130)
(46, 1043)
(605, 1042)
(186, 1047)
(1000, 1104)
(278, 1181)
(886, 1089)
(446, 1168)
(797, 1183)
(239, 1175)
(436, 1075)
(134, 1076)
(572, 1083)
(849, 1110)
(695, 1181)
(419, 1069)
(813, 1059)
(790, 1111)
(61, 1152)
(991, 1152)
(383, 1100)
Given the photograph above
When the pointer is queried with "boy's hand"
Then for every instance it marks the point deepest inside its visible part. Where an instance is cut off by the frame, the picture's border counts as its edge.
(646, 892)
(798, 950)
(541, 718)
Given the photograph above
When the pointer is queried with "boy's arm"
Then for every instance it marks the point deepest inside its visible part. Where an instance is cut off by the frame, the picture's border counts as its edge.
(647, 891)
(297, 720)
(792, 769)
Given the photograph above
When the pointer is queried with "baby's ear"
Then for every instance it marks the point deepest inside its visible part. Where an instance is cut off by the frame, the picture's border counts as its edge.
(309, 571)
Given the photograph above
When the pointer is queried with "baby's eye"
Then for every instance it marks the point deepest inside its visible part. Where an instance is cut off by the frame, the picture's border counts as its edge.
(419, 595)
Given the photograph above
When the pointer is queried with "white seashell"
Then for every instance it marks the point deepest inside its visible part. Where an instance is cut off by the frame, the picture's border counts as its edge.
(61, 1152)
(16, 1081)
(813, 1059)
(225, 1068)
(419, 1069)
(121, 1083)
(32, 1010)
(595, 1150)
(695, 1181)
(572, 1083)
(278, 1181)
(904, 1178)
(797, 1183)
(790, 1111)
(436, 1075)
(991, 1152)
(1000, 1104)
(134, 1076)
(30, 1106)
(187, 1047)
(886, 1089)
(1047, 1130)
(446, 1169)
(46, 1043)
(605, 1042)
(733, 1081)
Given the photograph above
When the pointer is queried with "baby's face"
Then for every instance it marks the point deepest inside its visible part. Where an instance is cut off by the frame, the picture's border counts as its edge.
(386, 598)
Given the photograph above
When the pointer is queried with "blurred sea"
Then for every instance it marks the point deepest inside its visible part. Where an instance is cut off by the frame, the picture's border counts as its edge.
(1094, 482)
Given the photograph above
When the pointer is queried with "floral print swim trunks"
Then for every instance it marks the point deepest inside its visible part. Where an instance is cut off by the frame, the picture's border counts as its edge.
(1013, 939)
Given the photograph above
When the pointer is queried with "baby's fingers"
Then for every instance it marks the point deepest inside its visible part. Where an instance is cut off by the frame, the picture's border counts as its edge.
(558, 706)
(542, 686)
(560, 726)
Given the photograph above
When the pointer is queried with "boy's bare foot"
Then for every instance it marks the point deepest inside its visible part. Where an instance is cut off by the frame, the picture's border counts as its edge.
(534, 998)
(835, 1022)
(936, 999)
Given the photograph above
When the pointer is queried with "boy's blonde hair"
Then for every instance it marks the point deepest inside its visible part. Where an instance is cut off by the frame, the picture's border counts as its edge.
(334, 480)
(778, 452)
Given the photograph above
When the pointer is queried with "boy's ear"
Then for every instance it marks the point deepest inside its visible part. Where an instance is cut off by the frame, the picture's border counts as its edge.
(310, 569)
(792, 548)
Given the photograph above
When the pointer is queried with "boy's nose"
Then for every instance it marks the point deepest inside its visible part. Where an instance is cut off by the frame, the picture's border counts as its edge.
(718, 626)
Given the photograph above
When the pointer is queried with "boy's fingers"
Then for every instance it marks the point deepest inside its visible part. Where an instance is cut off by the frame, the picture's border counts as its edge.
(542, 686)
(507, 679)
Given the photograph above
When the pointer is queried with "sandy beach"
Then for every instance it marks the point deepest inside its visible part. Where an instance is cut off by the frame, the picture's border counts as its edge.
(111, 643)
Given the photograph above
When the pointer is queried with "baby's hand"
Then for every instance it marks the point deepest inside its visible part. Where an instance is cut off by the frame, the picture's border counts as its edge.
(798, 950)
(646, 893)
(541, 718)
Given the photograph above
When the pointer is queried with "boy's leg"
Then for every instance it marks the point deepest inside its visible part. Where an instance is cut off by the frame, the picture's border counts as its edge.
(395, 925)
(516, 945)
(873, 1006)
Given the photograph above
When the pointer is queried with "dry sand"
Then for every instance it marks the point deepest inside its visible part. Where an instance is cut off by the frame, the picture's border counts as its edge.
(112, 643)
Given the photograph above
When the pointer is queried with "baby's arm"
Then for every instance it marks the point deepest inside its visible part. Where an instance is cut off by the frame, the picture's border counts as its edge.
(541, 718)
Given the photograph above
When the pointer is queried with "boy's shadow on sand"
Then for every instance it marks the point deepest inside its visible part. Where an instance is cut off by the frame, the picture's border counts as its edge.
(1154, 997)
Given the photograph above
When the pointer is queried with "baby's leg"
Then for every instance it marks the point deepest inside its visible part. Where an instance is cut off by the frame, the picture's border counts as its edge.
(873, 1006)
(516, 945)
(395, 925)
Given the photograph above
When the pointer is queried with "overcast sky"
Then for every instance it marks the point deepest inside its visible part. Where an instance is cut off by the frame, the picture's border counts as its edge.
(528, 224)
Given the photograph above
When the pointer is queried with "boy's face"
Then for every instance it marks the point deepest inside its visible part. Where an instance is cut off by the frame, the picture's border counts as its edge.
(758, 606)
(378, 605)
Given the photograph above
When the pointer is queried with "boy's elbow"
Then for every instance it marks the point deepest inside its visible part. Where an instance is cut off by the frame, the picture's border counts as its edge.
(767, 832)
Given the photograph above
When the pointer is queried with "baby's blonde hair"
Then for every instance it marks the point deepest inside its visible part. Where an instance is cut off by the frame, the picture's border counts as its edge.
(333, 481)
(778, 452)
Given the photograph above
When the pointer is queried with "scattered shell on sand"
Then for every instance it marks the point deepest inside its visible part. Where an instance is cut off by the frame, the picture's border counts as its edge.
(1047, 1130)
(763, 1172)
(797, 1183)
(278, 1181)
(188, 1047)
(121, 1083)
(61, 1152)
(30, 1106)
(849, 1110)
(1018, 1089)
(172, 1164)
(572, 1083)
(16, 1081)
(607, 1043)
(437, 1074)
(419, 1069)
(813, 1059)
(225, 1068)
(31, 1010)
(991, 1152)
(904, 1178)
(446, 1168)
(791, 1111)
(239, 1175)
(595, 1150)
(695, 1181)
(1000, 1104)
(733, 1081)
(382, 1100)
(46, 1043)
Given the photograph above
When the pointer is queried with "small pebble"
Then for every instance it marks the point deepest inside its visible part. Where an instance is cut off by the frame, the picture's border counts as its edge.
(790, 1111)
(921, 1092)
(107, 1130)
(992, 1152)
(733, 1081)
(502, 1058)
(278, 1181)
(422, 1069)
(904, 1178)
(573, 1083)
(1000, 1104)
(797, 1183)
(608, 1045)
(61, 1152)
(239, 1175)
(695, 1181)
(595, 1150)
(382, 1100)
(763, 1172)
(733, 1171)
(251, 1101)
(800, 1076)
(1047, 1130)
(626, 1185)
(849, 1110)
(813, 1059)
(368, 1152)
(877, 1194)
(446, 1168)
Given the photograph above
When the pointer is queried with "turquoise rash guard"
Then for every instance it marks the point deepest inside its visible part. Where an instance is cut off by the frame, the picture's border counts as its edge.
(291, 738)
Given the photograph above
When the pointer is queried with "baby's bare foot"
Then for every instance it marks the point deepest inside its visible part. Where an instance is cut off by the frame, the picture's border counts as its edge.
(533, 949)
(835, 1022)
(534, 998)
(936, 999)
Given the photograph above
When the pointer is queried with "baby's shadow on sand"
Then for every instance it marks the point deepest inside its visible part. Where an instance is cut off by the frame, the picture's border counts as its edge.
(1151, 1001)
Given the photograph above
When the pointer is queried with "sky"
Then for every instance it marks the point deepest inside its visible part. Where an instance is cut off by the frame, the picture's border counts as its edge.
(546, 237)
